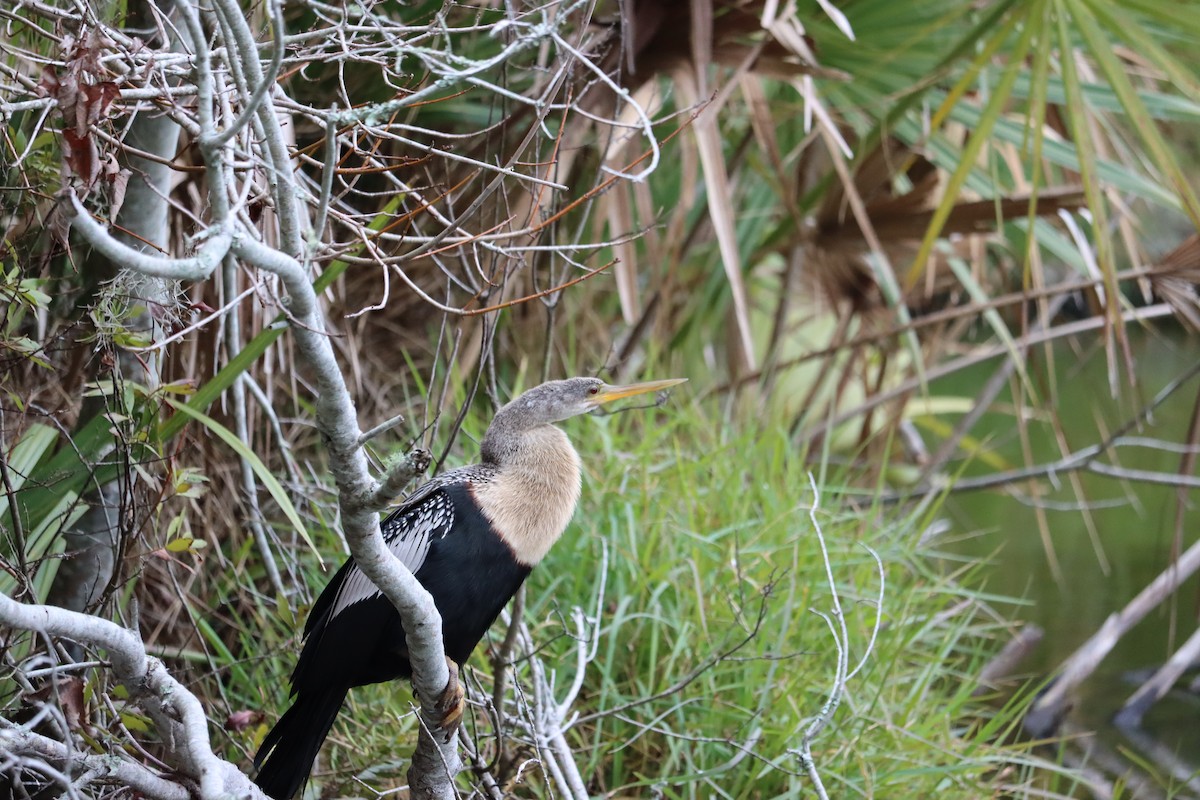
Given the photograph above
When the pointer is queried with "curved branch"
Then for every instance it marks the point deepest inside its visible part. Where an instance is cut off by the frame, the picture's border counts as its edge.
(250, 110)
(129, 773)
(174, 709)
(197, 267)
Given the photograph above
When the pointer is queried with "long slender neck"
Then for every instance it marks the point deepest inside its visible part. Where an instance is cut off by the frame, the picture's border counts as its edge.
(533, 493)
(503, 436)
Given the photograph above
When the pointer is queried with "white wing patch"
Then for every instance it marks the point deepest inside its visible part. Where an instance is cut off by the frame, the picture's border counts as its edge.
(408, 536)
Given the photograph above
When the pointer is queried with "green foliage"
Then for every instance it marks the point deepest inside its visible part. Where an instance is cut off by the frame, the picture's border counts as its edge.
(19, 296)
(51, 470)
(984, 96)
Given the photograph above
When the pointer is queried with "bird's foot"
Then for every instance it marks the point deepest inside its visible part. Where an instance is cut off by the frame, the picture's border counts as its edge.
(451, 704)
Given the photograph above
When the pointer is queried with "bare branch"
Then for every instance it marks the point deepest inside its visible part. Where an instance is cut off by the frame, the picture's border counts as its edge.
(836, 621)
(197, 267)
(174, 709)
(23, 742)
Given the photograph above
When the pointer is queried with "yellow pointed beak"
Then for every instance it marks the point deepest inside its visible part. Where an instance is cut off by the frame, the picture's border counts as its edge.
(610, 393)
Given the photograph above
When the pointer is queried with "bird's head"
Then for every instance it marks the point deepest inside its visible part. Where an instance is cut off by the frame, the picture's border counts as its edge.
(556, 401)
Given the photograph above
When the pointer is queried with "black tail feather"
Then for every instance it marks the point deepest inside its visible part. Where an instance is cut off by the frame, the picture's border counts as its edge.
(289, 750)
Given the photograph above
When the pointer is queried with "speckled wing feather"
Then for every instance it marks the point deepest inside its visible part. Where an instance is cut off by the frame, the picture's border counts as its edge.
(425, 516)
(409, 532)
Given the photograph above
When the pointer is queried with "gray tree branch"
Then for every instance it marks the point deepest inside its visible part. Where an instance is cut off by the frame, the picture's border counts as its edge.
(175, 711)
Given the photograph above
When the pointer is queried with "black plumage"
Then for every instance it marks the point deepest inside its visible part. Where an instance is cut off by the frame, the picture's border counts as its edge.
(353, 636)
(470, 536)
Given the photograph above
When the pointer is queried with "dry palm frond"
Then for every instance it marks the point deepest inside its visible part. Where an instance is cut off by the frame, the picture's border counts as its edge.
(661, 36)
(837, 244)
(1176, 283)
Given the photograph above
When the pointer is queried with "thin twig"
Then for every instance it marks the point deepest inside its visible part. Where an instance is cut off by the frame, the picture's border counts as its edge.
(836, 622)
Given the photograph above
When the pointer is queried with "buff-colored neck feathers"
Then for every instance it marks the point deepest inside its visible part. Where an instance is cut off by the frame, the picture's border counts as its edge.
(533, 493)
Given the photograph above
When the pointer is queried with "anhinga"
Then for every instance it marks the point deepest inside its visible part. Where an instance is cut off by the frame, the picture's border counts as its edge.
(470, 536)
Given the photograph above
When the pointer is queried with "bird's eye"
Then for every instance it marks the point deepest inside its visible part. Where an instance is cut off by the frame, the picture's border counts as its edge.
(594, 390)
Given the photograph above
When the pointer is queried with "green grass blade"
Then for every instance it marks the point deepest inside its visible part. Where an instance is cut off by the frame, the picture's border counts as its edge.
(24, 456)
(208, 392)
(1080, 124)
(1101, 50)
(269, 481)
